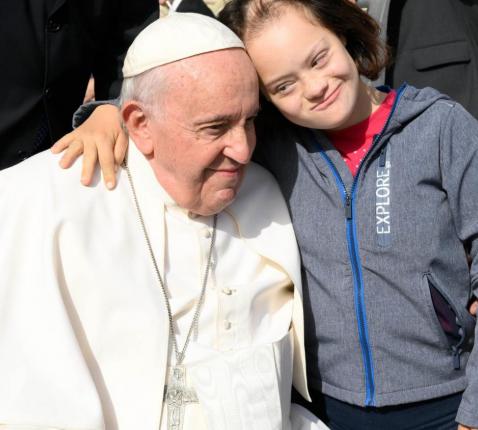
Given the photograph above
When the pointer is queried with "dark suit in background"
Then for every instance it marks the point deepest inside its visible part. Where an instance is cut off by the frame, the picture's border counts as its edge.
(196, 6)
(49, 49)
(436, 45)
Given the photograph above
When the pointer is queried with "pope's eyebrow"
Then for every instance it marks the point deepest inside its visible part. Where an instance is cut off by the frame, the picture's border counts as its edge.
(214, 119)
(221, 118)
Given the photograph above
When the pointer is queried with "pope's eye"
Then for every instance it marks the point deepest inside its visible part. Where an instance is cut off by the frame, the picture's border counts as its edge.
(215, 130)
(216, 127)
(250, 121)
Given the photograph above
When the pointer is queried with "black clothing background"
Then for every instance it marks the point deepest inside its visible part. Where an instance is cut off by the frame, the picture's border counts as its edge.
(436, 45)
(196, 6)
(49, 49)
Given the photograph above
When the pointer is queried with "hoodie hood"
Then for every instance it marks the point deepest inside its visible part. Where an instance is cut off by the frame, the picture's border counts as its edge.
(411, 102)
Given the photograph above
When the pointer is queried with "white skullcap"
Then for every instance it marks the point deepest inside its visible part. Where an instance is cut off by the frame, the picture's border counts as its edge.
(175, 37)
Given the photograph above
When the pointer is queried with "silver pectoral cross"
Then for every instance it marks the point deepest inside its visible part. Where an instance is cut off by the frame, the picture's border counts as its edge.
(177, 396)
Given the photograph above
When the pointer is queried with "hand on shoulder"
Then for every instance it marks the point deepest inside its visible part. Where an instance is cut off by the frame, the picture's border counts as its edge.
(100, 138)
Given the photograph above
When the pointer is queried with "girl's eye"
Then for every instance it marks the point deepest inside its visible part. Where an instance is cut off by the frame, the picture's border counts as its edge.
(284, 88)
(319, 60)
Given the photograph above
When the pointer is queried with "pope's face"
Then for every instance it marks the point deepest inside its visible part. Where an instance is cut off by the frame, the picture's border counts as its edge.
(205, 137)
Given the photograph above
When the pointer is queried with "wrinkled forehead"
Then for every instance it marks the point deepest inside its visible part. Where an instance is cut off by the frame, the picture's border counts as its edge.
(217, 81)
(221, 64)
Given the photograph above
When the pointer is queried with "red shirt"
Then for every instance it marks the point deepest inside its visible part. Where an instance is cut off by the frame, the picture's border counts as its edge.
(354, 142)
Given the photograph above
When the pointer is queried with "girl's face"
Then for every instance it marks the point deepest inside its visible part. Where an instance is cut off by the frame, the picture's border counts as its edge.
(306, 71)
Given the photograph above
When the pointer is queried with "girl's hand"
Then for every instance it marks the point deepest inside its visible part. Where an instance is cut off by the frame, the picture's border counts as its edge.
(462, 427)
(473, 309)
(100, 137)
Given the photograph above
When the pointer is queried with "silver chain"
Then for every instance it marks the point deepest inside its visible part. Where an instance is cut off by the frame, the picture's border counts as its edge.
(179, 354)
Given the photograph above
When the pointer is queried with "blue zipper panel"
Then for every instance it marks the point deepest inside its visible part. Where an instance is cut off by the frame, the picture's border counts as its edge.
(358, 280)
(352, 245)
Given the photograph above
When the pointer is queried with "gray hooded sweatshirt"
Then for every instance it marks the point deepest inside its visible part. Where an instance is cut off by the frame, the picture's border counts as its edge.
(386, 277)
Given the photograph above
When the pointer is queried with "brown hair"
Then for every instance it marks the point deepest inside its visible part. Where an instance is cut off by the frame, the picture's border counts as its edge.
(342, 17)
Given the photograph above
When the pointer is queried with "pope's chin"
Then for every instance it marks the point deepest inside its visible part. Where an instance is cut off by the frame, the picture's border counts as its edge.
(216, 202)
(223, 198)
(220, 198)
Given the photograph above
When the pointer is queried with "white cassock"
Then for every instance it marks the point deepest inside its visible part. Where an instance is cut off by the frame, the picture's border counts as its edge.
(84, 334)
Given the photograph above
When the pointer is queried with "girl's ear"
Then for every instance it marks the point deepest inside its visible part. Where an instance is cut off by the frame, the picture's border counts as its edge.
(136, 121)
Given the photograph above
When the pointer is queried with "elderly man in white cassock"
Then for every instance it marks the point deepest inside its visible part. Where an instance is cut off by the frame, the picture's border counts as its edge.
(173, 302)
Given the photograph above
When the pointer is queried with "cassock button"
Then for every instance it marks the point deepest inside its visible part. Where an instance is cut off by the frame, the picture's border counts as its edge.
(227, 325)
(22, 154)
(48, 93)
(227, 291)
(206, 233)
(53, 26)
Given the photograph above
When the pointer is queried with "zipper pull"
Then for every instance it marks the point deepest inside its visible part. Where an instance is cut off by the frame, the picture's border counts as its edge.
(348, 206)
(456, 358)
(383, 157)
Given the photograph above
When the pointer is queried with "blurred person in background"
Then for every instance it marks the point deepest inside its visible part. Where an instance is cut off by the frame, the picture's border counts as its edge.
(434, 43)
(51, 48)
(216, 5)
(196, 6)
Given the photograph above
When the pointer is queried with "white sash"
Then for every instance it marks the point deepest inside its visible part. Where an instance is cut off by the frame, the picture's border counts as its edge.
(250, 389)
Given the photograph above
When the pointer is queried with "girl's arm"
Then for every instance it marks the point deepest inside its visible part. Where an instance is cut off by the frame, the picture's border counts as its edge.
(459, 168)
(99, 136)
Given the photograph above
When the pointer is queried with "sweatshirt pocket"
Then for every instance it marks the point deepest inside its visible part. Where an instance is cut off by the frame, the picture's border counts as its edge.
(456, 323)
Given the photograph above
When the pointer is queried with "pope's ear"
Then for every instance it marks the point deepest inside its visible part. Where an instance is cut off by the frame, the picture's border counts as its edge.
(136, 121)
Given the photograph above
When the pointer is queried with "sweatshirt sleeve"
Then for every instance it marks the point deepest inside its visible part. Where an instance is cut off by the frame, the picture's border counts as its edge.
(459, 166)
(85, 110)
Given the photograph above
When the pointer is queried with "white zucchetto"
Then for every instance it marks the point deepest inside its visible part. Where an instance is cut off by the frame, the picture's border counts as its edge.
(175, 37)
